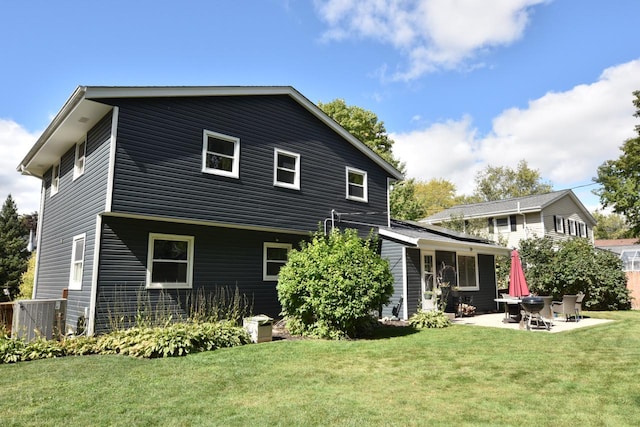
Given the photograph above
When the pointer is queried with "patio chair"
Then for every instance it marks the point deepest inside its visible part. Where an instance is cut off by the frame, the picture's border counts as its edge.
(566, 307)
(579, 306)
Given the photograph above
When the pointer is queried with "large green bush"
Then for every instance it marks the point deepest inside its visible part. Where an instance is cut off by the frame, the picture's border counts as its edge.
(575, 266)
(330, 287)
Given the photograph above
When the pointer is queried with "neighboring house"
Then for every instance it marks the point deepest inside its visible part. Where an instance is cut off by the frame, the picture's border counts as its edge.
(156, 192)
(629, 252)
(559, 215)
(422, 255)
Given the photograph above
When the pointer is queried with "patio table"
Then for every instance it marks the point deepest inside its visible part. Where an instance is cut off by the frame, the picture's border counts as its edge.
(507, 302)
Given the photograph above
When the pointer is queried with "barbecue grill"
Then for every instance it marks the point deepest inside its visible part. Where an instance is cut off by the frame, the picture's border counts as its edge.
(531, 307)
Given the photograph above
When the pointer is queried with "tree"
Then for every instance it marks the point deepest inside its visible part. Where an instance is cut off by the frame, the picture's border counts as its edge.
(574, 267)
(403, 201)
(330, 287)
(436, 195)
(13, 248)
(502, 182)
(364, 125)
(611, 226)
(620, 179)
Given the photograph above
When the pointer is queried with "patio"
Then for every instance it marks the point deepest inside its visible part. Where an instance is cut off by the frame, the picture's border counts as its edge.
(495, 320)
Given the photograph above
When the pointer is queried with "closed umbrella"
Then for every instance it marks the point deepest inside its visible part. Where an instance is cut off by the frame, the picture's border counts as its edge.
(517, 283)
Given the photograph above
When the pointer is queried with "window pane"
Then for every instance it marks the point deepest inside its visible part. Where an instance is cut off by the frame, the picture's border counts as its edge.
(356, 178)
(286, 162)
(286, 176)
(274, 254)
(215, 161)
(169, 249)
(220, 146)
(77, 272)
(169, 272)
(78, 250)
(273, 268)
(356, 191)
(467, 271)
(502, 222)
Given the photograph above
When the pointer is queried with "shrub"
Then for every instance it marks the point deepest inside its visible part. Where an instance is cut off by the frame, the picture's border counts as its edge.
(429, 319)
(11, 350)
(330, 287)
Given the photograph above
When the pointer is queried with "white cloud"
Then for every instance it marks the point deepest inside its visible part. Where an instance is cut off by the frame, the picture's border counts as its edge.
(433, 34)
(15, 142)
(565, 135)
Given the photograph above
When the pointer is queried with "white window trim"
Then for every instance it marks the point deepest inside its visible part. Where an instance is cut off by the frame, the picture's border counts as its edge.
(365, 186)
(296, 171)
(475, 257)
(573, 227)
(77, 170)
(55, 178)
(265, 276)
(73, 284)
(235, 168)
(559, 225)
(190, 244)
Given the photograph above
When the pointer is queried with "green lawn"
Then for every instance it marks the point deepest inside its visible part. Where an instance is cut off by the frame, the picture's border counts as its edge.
(462, 375)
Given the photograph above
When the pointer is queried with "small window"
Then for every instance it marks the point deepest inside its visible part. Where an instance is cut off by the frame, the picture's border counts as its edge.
(170, 261)
(559, 224)
(286, 169)
(55, 178)
(274, 257)
(582, 229)
(467, 272)
(81, 154)
(572, 227)
(77, 262)
(221, 154)
(356, 185)
(502, 222)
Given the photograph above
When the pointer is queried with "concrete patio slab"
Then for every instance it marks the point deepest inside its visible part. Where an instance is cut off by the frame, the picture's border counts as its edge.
(495, 320)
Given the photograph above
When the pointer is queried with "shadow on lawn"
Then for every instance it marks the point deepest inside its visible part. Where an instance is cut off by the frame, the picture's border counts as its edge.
(392, 330)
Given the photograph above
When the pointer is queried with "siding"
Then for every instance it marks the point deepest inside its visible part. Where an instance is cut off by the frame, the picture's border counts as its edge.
(567, 209)
(224, 258)
(70, 212)
(392, 252)
(483, 299)
(159, 157)
(414, 281)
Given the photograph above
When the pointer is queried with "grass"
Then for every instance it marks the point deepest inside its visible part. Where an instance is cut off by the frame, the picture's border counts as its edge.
(462, 375)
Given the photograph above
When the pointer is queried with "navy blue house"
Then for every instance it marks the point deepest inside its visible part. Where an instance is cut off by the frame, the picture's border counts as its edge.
(165, 189)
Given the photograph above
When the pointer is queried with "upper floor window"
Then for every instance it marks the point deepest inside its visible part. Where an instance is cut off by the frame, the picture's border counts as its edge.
(55, 178)
(170, 261)
(274, 257)
(286, 169)
(79, 162)
(221, 154)
(582, 229)
(77, 262)
(573, 230)
(356, 184)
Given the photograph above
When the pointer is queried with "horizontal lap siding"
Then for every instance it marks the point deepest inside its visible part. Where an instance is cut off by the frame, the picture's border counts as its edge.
(414, 281)
(159, 157)
(70, 212)
(483, 299)
(223, 258)
(392, 252)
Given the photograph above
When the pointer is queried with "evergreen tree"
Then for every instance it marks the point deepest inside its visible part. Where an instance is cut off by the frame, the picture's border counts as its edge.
(14, 257)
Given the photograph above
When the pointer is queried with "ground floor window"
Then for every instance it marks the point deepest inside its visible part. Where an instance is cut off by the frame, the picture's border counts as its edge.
(170, 261)
(467, 272)
(77, 262)
(274, 257)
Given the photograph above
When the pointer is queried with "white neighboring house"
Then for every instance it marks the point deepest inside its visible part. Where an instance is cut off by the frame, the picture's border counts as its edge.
(559, 215)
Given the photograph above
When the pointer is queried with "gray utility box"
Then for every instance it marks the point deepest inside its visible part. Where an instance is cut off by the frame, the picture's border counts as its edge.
(258, 327)
(39, 318)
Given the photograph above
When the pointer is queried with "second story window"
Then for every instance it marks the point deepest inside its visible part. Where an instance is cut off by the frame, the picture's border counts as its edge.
(286, 169)
(559, 224)
(221, 154)
(81, 154)
(55, 178)
(356, 185)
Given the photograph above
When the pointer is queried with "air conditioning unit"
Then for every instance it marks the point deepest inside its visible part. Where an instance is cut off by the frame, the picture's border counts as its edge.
(38, 318)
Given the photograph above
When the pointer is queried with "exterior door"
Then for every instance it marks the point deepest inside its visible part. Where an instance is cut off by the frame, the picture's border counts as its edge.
(428, 281)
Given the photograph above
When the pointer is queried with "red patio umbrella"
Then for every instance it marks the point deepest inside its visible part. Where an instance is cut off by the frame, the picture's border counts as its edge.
(517, 283)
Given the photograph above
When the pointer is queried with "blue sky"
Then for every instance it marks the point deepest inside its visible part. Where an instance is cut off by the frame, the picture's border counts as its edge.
(459, 84)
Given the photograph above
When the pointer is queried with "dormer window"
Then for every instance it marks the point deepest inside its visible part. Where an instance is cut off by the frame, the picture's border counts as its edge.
(81, 154)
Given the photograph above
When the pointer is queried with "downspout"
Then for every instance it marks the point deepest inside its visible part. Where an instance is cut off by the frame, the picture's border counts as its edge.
(524, 222)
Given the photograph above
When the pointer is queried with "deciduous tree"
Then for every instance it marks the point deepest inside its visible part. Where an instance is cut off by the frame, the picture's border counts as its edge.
(503, 182)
